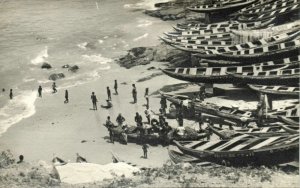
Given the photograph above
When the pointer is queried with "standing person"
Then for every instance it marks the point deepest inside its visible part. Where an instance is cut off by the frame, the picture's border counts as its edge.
(111, 135)
(180, 118)
(11, 94)
(66, 96)
(54, 87)
(200, 121)
(94, 101)
(40, 91)
(148, 115)
(163, 103)
(134, 93)
(116, 87)
(145, 150)
(108, 93)
(147, 97)
(138, 119)
(120, 119)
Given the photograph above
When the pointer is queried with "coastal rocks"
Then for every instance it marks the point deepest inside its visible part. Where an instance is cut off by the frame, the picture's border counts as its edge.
(167, 13)
(160, 53)
(56, 76)
(137, 56)
(73, 68)
(46, 65)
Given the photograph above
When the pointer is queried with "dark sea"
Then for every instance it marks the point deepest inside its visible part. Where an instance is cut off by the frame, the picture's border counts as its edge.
(87, 33)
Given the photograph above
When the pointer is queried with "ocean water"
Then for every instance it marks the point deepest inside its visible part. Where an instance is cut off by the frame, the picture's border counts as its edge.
(87, 33)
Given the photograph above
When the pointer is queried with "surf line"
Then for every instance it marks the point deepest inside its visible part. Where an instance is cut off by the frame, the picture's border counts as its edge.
(97, 5)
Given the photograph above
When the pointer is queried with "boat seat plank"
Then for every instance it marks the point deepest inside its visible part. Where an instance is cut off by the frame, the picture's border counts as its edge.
(184, 70)
(193, 144)
(207, 145)
(264, 143)
(230, 142)
(265, 129)
(242, 145)
(176, 70)
(208, 71)
(193, 71)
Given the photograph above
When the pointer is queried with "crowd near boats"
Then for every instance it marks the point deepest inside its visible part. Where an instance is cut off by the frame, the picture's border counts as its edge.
(257, 49)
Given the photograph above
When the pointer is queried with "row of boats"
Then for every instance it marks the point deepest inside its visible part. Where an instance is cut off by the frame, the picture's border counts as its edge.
(268, 64)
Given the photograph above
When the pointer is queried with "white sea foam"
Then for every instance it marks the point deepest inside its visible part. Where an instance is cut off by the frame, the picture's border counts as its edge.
(82, 45)
(141, 37)
(41, 57)
(96, 59)
(28, 79)
(21, 107)
(144, 4)
(144, 23)
(100, 41)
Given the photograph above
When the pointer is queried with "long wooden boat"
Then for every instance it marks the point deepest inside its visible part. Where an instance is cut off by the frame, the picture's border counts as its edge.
(216, 74)
(243, 152)
(278, 12)
(274, 77)
(213, 31)
(276, 90)
(291, 130)
(224, 48)
(290, 111)
(179, 157)
(229, 24)
(256, 132)
(197, 42)
(228, 6)
(267, 8)
(221, 63)
(294, 121)
(222, 36)
(260, 54)
(212, 109)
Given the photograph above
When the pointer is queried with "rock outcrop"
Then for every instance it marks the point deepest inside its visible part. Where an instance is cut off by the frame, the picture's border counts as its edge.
(46, 65)
(73, 68)
(56, 76)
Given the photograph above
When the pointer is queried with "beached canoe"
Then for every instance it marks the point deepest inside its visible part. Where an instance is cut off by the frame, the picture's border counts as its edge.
(289, 112)
(268, 8)
(197, 42)
(293, 8)
(223, 47)
(212, 109)
(216, 74)
(225, 7)
(276, 90)
(179, 157)
(221, 63)
(229, 24)
(256, 132)
(293, 121)
(288, 77)
(244, 151)
(290, 129)
(222, 36)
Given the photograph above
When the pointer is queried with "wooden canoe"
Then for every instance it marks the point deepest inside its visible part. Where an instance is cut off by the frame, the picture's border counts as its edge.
(222, 36)
(234, 114)
(290, 111)
(269, 8)
(196, 42)
(259, 46)
(232, 25)
(278, 12)
(243, 151)
(291, 130)
(227, 6)
(216, 74)
(294, 121)
(276, 90)
(179, 157)
(256, 132)
(288, 77)
(221, 63)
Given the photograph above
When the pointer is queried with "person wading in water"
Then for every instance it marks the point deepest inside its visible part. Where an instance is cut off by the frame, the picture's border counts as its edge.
(116, 87)
(134, 93)
(94, 101)
(66, 96)
(11, 94)
(40, 91)
(54, 87)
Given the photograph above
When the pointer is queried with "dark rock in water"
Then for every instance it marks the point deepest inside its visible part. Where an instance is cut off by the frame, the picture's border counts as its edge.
(151, 68)
(56, 76)
(46, 65)
(65, 66)
(144, 55)
(73, 68)
(90, 45)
